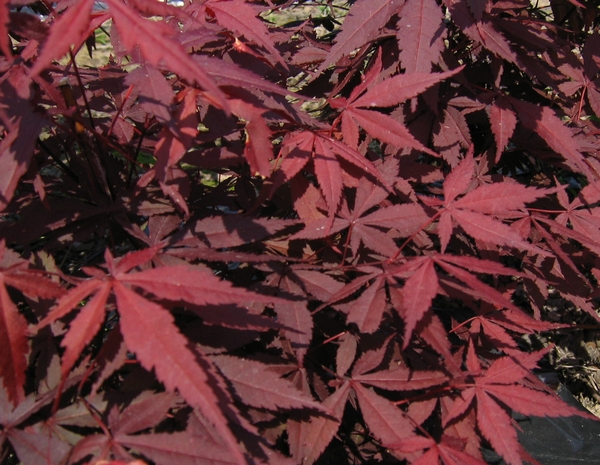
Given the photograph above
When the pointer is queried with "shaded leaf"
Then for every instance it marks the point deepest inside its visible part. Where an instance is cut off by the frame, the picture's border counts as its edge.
(544, 122)
(191, 285)
(309, 439)
(364, 21)
(260, 387)
(159, 47)
(240, 17)
(69, 29)
(385, 420)
(149, 331)
(181, 448)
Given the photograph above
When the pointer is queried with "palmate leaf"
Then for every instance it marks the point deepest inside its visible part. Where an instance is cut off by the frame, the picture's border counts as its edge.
(482, 31)
(401, 220)
(475, 212)
(38, 443)
(159, 48)
(385, 94)
(583, 219)
(144, 412)
(38, 446)
(422, 285)
(398, 270)
(324, 151)
(149, 330)
(499, 386)
(194, 446)
(416, 295)
(156, 95)
(491, 199)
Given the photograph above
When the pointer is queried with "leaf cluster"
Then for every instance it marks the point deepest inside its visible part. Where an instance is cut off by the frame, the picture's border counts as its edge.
(291, 232)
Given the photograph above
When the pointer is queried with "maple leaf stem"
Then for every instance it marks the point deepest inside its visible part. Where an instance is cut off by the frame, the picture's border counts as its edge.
(82, 88)
(96, 416)
(407, 241)
(85, 377)
(346, 244)
(58, 161)
(426, 395)
(334, 125)
(119, 111)
(334, 247)
(460, 325)
(56, 402)
(541, 210)
(316, 253)
(138, 149)
(93, 158)
(331, 339)
(581, 99)
(277, 161)
(328, 370)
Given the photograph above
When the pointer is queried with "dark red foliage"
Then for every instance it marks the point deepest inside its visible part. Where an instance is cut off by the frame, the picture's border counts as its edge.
(249, 239)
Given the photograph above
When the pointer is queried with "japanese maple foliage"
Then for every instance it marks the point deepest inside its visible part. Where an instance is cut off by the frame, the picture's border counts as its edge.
(289, 231)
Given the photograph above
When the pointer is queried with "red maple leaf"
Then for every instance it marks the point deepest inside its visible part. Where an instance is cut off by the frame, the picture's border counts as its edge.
(496, 388)
(325, 152)
(148, 328)
(388, 93)
(479, 212)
